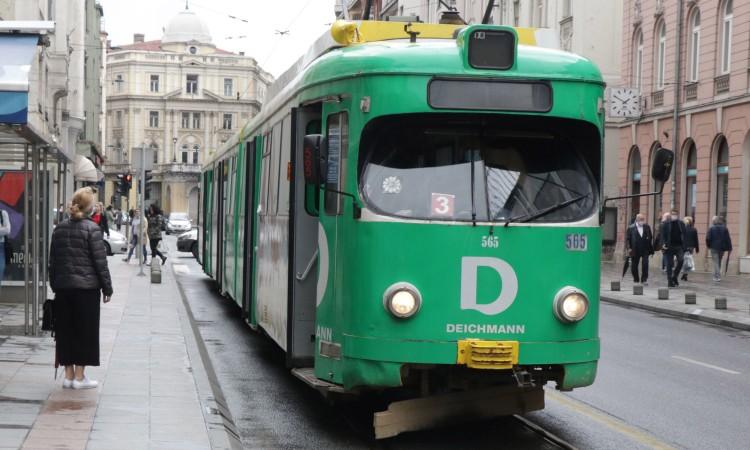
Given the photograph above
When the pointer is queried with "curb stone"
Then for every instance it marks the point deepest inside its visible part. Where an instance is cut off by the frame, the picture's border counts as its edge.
(695, 314)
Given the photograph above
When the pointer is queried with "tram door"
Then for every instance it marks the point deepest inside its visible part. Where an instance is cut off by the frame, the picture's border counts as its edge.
(220, 205)
(251, 205)
(303, 248)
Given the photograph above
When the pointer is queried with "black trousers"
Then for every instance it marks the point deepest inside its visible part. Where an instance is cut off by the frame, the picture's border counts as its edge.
(77, 326)
(643, 259)
(674, 271)
(154, 251)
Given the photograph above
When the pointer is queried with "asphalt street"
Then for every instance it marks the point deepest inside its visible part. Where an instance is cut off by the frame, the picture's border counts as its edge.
(662, 383)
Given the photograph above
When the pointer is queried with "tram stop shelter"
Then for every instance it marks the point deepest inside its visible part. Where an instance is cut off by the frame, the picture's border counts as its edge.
(33, 169)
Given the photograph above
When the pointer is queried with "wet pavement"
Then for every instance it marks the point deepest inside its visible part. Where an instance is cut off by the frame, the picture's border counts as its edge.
(154, 390)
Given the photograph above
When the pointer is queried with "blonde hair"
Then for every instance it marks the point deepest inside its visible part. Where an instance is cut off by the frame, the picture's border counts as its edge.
(688, 220)
(80, 205)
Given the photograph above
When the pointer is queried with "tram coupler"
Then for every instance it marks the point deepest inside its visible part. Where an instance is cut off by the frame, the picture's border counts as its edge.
(523, 378)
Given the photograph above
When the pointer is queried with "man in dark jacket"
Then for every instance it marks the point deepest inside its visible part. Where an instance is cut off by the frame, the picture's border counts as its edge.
(718, 241)
(639, 245)
(673, 245)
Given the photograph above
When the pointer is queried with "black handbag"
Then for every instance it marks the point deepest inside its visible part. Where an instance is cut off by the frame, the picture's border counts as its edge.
(6, 243)
(48, 316)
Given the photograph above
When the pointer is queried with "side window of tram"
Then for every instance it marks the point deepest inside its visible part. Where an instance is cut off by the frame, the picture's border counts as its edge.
(265, 168)
(337, 134)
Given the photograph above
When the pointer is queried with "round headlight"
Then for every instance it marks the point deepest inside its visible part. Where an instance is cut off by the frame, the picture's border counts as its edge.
(402, 300)
(571, 305)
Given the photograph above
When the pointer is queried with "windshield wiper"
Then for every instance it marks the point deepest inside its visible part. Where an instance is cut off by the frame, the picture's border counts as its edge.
(545, 211)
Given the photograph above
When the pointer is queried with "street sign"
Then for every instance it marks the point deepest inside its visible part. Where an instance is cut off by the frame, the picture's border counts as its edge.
(148, 159)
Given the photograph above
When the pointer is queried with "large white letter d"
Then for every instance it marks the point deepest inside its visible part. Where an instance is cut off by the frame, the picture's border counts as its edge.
(508, 279)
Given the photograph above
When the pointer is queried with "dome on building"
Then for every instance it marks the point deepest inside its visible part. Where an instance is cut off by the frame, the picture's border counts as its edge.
(187, 27)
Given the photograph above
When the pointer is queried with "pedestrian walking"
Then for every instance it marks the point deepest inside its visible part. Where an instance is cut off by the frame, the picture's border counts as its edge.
(658, 242)
(79, 276)
(110, 213)
(135, 238)
(639, 246)
(118, 219)
(718, 241)
(691, 247)
(155, 221)
(100, 218)
(673, 245)
(4, 247)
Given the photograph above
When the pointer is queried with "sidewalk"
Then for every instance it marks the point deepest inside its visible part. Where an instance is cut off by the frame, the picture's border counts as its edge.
(735, 289)
(154, 389)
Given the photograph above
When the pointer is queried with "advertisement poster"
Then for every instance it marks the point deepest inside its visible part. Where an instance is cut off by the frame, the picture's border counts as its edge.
(12, 201)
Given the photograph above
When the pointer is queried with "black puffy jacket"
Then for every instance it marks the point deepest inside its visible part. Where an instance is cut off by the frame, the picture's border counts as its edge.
(78, 259)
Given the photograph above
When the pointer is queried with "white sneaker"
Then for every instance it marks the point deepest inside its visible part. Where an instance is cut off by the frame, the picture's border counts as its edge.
(85, 384)
(67, 384)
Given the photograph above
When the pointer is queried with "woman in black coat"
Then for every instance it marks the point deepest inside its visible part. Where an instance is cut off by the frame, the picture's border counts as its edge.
(78, 275)
(690, 241)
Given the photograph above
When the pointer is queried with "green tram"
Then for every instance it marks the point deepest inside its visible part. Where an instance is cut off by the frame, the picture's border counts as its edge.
(416, 210)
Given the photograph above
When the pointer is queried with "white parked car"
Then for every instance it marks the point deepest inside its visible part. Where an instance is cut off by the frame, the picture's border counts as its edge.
(178, 223)
(116, 242)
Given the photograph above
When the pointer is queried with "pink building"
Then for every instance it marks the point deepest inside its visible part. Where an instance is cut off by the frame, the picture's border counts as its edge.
(710, 79)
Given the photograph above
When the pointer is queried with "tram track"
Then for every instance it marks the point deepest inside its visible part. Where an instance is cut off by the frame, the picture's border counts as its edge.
(546, 435)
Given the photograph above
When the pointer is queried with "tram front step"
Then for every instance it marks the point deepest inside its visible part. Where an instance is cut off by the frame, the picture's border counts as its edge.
(428, 412)
(307, 374)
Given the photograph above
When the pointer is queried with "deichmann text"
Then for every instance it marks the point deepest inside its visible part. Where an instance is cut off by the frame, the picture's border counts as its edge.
(484, 328)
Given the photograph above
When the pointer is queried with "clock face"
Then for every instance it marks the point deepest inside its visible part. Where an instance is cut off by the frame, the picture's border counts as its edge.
(624, 102)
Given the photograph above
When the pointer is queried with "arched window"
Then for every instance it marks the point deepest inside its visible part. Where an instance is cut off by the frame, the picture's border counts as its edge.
(196, 151)
(661, 51)
(634, 181)
(691, 173)
(694, 45)
(722, 178)
(637, 59)
(726, 36)
(184, 153)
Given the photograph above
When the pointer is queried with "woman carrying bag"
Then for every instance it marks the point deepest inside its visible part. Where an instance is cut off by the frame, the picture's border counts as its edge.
(79, 276)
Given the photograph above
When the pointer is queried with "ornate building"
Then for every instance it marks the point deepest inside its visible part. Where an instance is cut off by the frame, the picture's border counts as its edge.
(689, 61)
(182, 97)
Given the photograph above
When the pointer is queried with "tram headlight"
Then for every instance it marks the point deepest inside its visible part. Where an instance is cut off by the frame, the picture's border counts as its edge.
(571, 305)
(403, 300)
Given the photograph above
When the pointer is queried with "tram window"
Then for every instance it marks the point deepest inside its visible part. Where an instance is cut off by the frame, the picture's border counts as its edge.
(284, 182)
(420, 167)
(265, 163)
(337, 133)
(273, 198)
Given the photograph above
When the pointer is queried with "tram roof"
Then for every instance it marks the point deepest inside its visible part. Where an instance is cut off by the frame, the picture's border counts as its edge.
(433, 54)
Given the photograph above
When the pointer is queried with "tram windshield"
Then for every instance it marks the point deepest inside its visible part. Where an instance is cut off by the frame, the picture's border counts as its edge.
(483, 168)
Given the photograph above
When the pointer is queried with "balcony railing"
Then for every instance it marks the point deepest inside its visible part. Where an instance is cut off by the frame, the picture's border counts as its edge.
(178, 167)
(691, 91)
(657, 98)
(721, 84)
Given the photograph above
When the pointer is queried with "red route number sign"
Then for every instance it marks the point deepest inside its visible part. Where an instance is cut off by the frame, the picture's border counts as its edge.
(443, 205)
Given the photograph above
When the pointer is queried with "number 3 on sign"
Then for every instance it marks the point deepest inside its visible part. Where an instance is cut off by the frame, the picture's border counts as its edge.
(443, 204)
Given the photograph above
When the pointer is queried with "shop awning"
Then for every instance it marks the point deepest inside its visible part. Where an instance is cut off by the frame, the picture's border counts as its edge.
(18, 51)
(86, 171)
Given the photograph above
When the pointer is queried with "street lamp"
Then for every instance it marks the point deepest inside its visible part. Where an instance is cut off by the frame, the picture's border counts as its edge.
(174, 149)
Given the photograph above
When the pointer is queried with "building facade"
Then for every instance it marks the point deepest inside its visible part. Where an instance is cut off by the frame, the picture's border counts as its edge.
(181, 97)
(690, 59)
